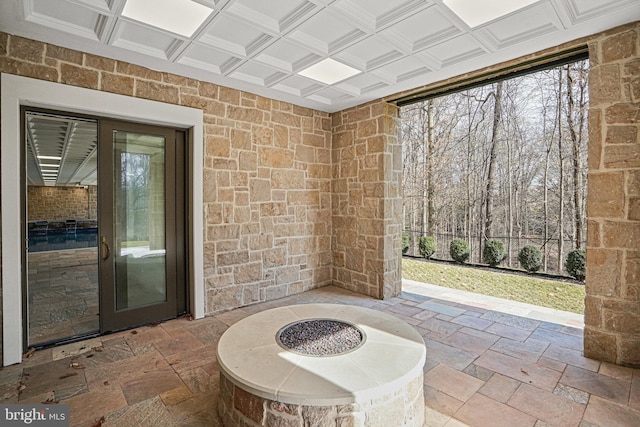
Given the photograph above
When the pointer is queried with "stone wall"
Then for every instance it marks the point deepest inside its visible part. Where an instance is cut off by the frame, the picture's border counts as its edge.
(46, 203)
(612, 311)
(367, 200)
(401, 407)
(267, 171)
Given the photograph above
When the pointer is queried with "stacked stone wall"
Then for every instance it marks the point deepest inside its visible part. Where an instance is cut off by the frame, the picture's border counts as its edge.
(267, 171)
(61, 203)
(612, 309)
(401, 407)
(367, 200)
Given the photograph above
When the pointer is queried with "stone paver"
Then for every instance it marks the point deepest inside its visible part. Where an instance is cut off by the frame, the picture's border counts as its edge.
(601, 412)
(500, 388)
(484, 367)
(530, 349)
(551, 408)
(482, 411)
(518, 369)
(452, 382)
(600, 385)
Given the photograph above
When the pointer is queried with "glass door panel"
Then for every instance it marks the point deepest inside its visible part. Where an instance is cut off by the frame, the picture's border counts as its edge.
(60, 234)
(139, 222)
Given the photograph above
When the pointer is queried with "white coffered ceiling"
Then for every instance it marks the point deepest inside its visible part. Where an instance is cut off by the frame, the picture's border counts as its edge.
(261, 45)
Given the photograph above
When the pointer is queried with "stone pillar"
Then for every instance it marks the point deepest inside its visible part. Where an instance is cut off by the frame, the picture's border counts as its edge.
(367, 200)
(612, 312)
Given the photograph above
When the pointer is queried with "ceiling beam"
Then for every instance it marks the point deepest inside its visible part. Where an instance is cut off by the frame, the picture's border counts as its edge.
(34, 153)
(86, 160)
(71, 126)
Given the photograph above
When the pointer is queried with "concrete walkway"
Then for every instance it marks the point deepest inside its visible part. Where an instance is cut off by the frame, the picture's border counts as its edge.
(496, 304)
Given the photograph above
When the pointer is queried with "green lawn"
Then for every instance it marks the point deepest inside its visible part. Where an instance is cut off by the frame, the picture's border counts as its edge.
(560, 295)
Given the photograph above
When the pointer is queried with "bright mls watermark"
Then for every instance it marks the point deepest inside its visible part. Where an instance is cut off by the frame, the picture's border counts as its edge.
(34, 415)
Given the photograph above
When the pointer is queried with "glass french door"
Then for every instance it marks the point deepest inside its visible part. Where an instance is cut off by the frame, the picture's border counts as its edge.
(104, 215)
(139, 224)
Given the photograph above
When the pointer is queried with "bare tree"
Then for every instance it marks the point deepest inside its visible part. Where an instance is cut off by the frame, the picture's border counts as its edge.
(576, 82)
(495, 136)
(500, 161)
(560, 176)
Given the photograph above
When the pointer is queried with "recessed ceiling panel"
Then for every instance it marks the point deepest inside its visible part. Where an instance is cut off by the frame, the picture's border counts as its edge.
(209, 59)
(370, 53)
(415, 35)
(234, 36)
(64, 16)
(287, 56)
(583, 10)
(330, 96)
(532, 22)
(298, 86)
(456, 50)
(401, 70)
(256, 73)
(275, 16)
(145, 40)
(326, 33)
(98, 5)
(361, 84)
(374, 15)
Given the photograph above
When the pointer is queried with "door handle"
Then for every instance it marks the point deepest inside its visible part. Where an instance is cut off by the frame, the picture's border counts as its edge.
(105, 248)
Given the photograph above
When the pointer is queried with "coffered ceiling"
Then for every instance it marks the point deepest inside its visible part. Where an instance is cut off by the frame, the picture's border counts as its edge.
(262, 45)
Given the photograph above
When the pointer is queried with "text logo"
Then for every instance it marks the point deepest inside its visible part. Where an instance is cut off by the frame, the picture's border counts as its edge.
(34, 415)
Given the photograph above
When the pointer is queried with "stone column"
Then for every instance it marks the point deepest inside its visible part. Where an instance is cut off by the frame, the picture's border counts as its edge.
(367, 200)
(612, 312)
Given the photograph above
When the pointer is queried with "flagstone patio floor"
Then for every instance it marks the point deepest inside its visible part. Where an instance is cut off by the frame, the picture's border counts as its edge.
(489, 362)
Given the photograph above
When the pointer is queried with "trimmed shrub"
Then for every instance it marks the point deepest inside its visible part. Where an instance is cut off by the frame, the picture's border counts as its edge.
(494, 252)
(427, 246)
(459, 250)
(576, 264)
(530, 258)
(405, 243)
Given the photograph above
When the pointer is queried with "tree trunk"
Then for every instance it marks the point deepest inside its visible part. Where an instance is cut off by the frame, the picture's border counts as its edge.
(561, 176)
(576, 141)
(431, 191)
(511, 205)
(495, 135)
(546, 208)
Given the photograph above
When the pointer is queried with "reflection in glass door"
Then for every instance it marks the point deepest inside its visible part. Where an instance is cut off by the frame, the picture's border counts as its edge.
(61, 253)
(137, 229)
(139, 219)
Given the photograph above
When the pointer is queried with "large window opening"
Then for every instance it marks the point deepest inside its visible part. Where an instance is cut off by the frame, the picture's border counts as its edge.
(504, 161)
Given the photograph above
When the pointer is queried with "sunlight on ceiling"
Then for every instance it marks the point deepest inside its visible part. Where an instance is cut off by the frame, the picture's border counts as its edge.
(329, 71)
(478, 12)
(178, 16)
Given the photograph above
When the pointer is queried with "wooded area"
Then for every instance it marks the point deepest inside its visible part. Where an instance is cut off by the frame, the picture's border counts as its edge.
(505, 161)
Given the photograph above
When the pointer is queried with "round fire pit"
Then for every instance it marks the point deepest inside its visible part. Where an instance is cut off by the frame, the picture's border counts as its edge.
(321, 364)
